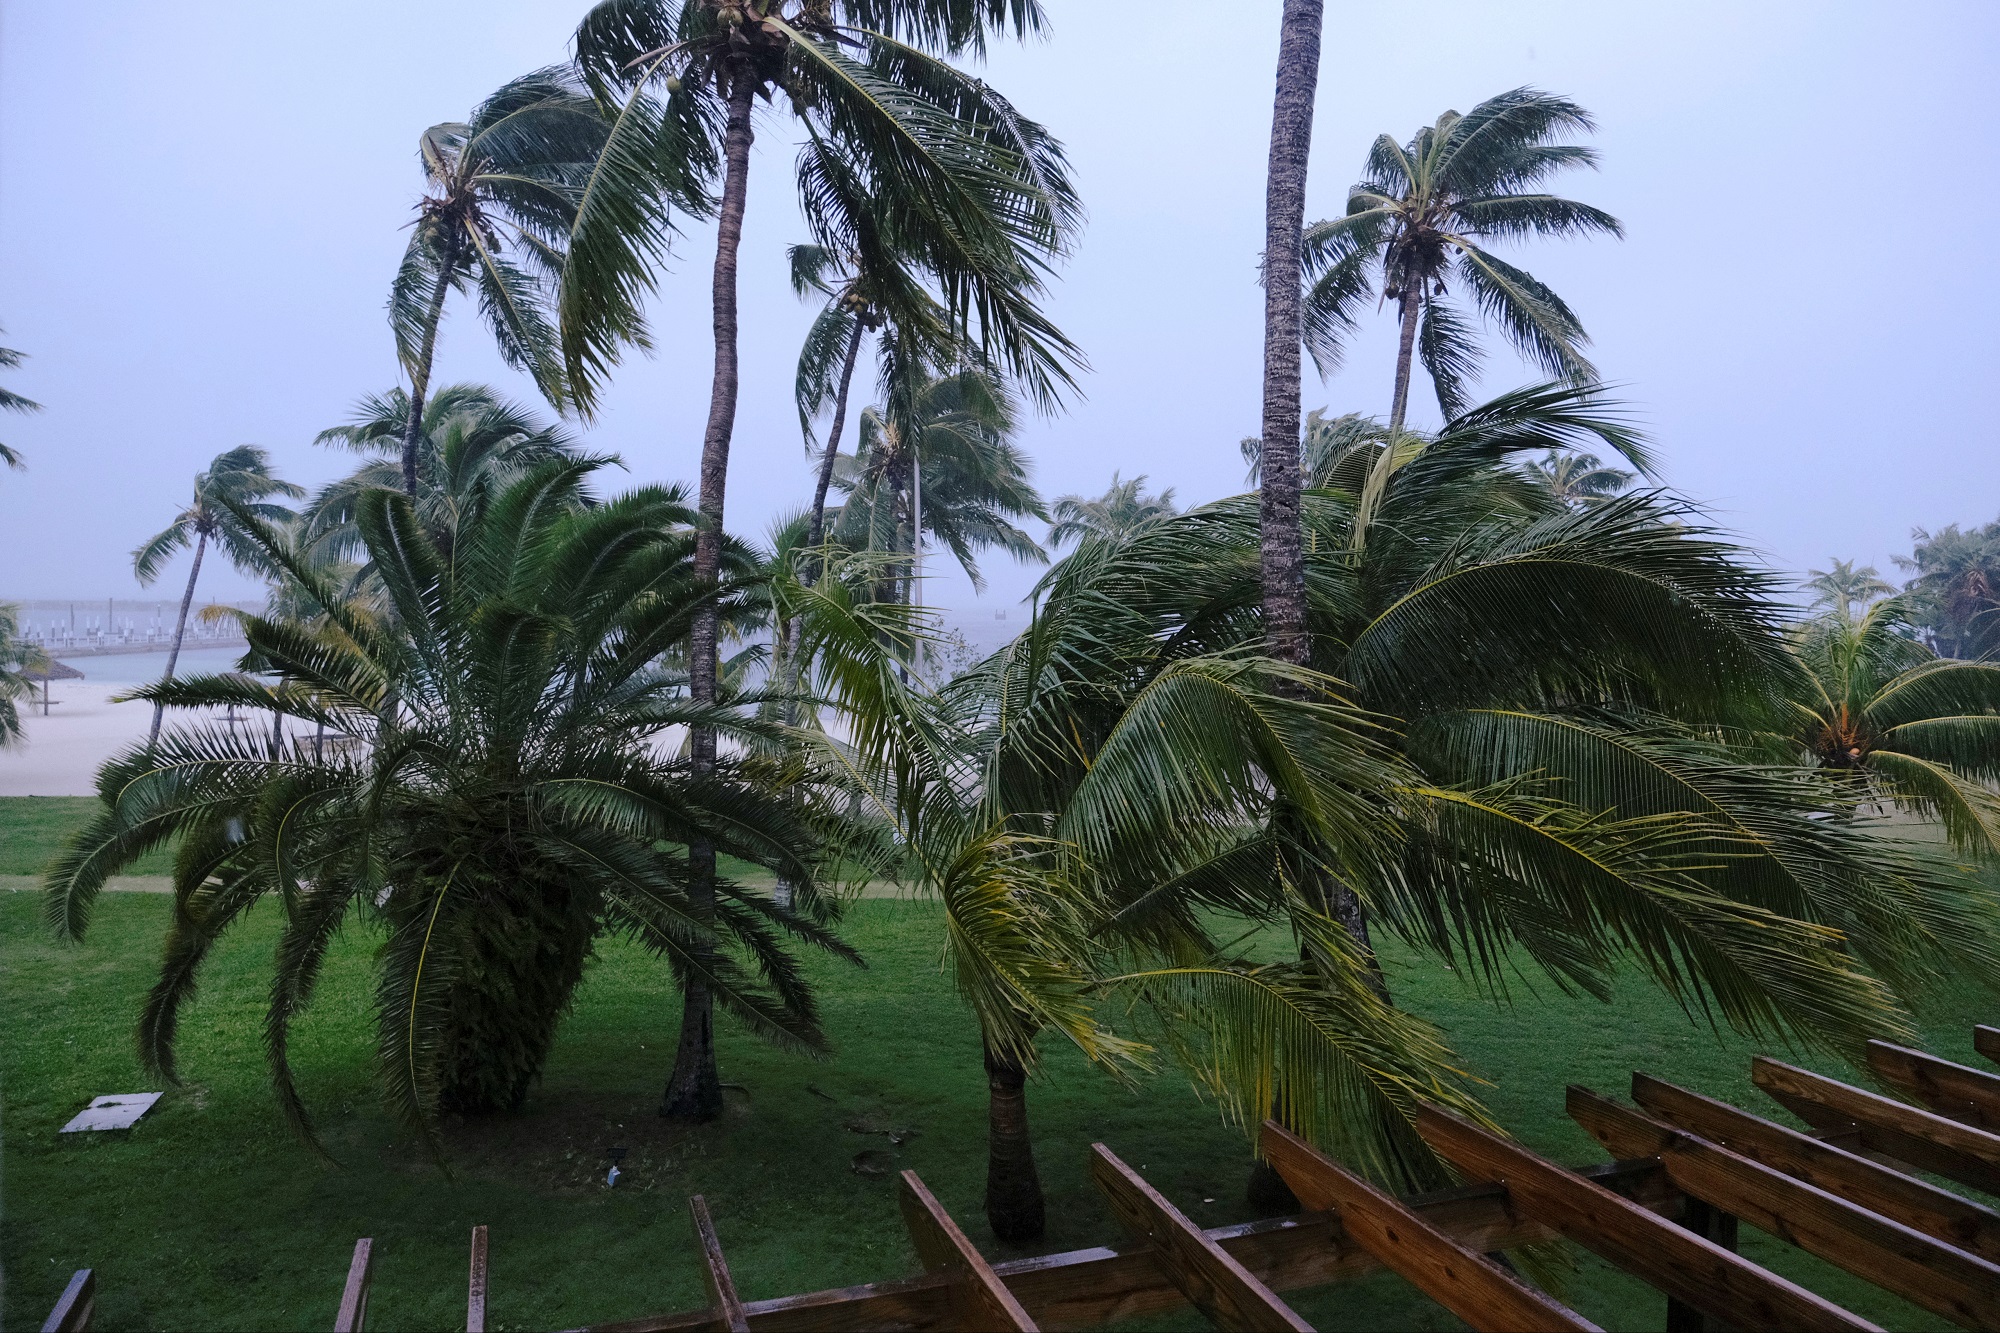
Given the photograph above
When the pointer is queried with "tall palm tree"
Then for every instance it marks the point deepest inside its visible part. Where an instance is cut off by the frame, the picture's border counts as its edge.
(1840, 587)
(13, 402)
(1579, 480)
(1956, 588)
(977, 195)
(938, 461)
(1419, 222)
(1123, 509)
(500, 802)
(1281, 554)
(1916, 731)
(501, 198)
(237, 484)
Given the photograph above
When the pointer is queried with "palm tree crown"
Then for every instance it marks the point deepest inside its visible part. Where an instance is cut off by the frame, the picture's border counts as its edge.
(1123, 509)
(1418, 225)
(1840, 587)
(501, 199)
(1579, 480)
(1956, 588)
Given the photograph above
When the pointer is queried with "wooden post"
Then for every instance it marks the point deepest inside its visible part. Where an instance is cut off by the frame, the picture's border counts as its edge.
(1915, 1203)
(1986, 1041)
(1461, 1280)
(1930, 1273)
(1971, 1096)
(1213, 1282)
(722, 1297)
(1698, 1271)
(353, 1315)
(475, 1286)
(73, 1310)
(1922, 1138)
(977, 1296)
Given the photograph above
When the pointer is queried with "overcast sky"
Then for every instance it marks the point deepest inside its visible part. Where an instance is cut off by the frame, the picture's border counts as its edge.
(202, 203)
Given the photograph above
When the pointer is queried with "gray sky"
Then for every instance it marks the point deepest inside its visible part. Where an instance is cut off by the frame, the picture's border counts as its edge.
(201, 207)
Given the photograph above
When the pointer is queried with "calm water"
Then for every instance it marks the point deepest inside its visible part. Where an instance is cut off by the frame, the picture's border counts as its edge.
(138, 668)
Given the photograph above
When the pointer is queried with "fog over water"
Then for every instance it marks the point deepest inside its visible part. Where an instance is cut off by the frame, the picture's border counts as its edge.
(203, 204)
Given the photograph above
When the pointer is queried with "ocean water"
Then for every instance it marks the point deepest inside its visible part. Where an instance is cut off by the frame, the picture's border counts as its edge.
(138, 668)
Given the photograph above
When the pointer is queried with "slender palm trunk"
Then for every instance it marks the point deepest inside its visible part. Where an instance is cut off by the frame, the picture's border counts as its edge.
(1284, 216)
(1406, 345)
(420, 382)
(694, 1089)
(1014, 1205)
(180, 631)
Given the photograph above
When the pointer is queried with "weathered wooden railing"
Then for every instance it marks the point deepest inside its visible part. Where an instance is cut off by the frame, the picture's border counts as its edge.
(1666, 1211)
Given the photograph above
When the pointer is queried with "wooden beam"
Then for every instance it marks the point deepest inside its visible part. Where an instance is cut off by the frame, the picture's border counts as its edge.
(1915, 1203)
(1217, 1285)
(1108, 1283)
(475, 1285)
(1971, 1096)
(1925, 1271)
(1687, 1267)
(1924, 1139)
(724, 1306)
(1461, 1280)
(75, 1307)
(353, 1315)
(978, 1298)
(1986, 1041)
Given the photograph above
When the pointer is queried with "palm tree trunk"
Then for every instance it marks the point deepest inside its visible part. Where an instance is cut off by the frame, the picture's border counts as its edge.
(420, 381)
(1284, 215)
(1405, 348)
(694, 1089)
(180, 631)
(1014, 1205)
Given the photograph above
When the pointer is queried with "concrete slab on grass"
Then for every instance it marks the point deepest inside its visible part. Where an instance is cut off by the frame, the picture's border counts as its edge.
(120, 1110)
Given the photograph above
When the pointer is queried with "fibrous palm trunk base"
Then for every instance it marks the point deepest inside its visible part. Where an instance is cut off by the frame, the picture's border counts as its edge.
(1014, 1206)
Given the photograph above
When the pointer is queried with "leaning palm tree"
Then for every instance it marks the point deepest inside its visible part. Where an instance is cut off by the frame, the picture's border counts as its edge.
(1419, 223)
(1913, 730)
(1840, 588)
(498, 802)
(238, 483)
(501, 197)
(938, 462)
(13, 402)
(975, 194)
(1579, 480)
(1123, 509)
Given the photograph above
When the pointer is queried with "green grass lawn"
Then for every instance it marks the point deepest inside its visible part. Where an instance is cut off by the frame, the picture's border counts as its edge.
(34, 828)
(211, 1215)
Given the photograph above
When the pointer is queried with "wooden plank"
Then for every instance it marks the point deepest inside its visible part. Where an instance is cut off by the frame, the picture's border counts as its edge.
(1461, 1280)
(1986, 1041)
(978, 1298)
(75, 1307)
(1921, 1269)
(353, 1316)
(1217, 1285)
(475, 1286)
(1971, 1096)
(1915, 1203)
(1924, 1139)
(1687, 1267)
(1105, 1284)
(723, 1302)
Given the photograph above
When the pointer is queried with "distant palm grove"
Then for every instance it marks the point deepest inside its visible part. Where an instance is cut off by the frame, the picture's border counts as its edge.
(1486, 690)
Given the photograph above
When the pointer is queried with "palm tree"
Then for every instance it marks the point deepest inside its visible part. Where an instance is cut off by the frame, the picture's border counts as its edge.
(1123, 509)
(1579, 480)
(18, 660)
(499, 801)
(1281, 554)
(501, 198)
(472, 444)
(1914, 730)
(13, 402)
(1419, 222)
(1841, 587)
(1957, 588)
(974, 194)
(237, 484)
(938, 460)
